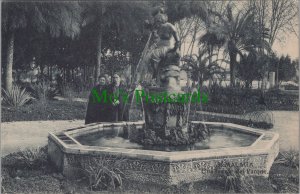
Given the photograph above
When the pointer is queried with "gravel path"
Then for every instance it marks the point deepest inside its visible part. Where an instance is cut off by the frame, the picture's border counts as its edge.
(287, 125)
(16, 136)
(20, 135)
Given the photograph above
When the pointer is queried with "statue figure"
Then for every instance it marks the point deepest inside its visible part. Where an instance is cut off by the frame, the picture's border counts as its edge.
(162, 33)
(166, 122)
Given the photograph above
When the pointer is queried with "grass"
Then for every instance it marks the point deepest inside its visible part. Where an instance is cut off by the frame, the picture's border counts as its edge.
(289, 158)
(103, 172)
(30, 158)
(50, 110)
(284, 173)
(23, 172)
(234, 179)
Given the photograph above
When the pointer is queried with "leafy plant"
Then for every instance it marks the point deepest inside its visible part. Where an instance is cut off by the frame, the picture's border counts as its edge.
(103, 172)
(289, 158)
(68, 91)
(43, 91)
(32, 157)
(16, 96)
(234, 179)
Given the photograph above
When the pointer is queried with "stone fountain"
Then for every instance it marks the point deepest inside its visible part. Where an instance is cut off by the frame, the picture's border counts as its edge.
(166, 148)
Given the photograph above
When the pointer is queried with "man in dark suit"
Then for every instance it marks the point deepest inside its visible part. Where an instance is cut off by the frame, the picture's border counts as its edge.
(96, 111)
(118, 97)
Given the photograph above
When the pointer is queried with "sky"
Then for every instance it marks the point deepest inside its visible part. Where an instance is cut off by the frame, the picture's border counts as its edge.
(290, 46)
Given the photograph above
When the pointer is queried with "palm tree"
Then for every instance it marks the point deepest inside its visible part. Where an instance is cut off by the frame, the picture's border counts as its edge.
(59, 18)
(201, 66)
(237, 34)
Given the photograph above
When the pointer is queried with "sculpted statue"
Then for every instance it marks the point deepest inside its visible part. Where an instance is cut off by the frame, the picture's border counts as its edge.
(162, 33)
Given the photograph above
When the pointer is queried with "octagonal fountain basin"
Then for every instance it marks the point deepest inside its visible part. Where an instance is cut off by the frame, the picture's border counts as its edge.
(249, 150)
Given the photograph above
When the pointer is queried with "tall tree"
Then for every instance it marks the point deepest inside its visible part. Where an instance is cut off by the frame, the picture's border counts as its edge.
(237, 33)
(251, 67)
(279, 16)
(287, 69)
(16, 16)
(104, 16)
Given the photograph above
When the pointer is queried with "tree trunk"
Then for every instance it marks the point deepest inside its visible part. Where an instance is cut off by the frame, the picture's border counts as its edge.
(51, 72)
(48, 70)
(99, 49)
(200, 80)
(65, 75)
(232, 68)
(9, 62)
(84, 73)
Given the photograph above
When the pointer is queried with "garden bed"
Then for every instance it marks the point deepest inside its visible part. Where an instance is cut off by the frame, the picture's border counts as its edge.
(50, 110)
(239, 101)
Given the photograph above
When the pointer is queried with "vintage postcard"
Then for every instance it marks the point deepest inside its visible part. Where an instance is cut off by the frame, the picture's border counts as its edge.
(150, 96)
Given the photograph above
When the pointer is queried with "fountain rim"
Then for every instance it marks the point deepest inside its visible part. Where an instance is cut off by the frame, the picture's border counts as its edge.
(261, 145)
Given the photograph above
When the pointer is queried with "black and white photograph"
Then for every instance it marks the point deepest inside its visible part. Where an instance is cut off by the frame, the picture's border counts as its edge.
(150, 96)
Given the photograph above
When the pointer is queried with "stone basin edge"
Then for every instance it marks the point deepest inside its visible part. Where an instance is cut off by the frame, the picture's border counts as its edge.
(259, 147)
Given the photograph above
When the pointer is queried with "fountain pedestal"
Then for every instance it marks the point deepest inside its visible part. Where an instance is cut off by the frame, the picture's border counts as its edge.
(164, 118)
(166, 107)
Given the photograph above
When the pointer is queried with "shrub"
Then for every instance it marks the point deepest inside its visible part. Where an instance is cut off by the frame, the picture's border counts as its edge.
(68, 91)
(30, 158)
(291, 87)
(240, 100)
(234, 179)
(43, 91)
(16, 96)
(289, 158)
(103, 172)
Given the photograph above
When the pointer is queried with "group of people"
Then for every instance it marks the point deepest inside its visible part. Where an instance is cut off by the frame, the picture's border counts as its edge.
(104, 111)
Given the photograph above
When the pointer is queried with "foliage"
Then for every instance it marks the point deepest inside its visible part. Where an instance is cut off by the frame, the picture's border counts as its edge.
(68, 91)
(251, 67)
(234, 179)
(32, 158)
(177, 10)
(16, 96)
(43, 91)
(34, 19)
(116, 63)
(52, 110)
(289, 158)
(286, 68)
(201, 67)
(118, 24)
(59, 18)
(103, 172)
(237, 33)
(241, 100)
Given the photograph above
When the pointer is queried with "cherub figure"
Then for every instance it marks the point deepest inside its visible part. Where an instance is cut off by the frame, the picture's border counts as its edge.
(162, 33)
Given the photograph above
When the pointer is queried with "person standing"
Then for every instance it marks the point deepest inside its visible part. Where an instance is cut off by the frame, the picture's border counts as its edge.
(117, 102)
(97, 111)
(108, 79)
